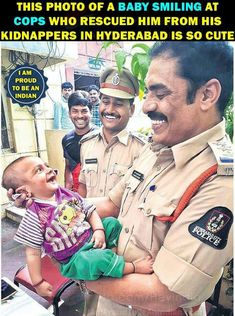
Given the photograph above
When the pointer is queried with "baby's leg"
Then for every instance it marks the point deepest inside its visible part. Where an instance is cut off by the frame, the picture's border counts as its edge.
(112, 229)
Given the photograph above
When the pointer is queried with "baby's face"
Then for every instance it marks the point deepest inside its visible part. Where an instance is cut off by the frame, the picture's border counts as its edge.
(39, 177)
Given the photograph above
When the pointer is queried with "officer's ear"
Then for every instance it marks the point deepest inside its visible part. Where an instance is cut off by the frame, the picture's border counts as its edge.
(132, 109)
(210, 94)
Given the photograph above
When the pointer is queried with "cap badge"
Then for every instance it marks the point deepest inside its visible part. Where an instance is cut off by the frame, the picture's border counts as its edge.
(116, 79)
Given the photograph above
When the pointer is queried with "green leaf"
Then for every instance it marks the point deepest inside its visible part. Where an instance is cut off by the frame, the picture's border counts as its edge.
(104, 46)
(135, 66)
(142, 85)
(145, 47)
(143, 61)
(120, 57)
(228, 113)
(229, 130)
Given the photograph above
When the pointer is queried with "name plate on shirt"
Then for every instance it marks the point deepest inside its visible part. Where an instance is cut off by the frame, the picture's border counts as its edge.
(138, 175)
(91, 160)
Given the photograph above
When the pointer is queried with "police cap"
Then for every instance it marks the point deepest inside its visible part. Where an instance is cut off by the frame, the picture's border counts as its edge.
(121, 85)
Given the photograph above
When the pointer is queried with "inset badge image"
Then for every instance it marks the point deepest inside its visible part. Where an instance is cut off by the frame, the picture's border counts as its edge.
(26, 85)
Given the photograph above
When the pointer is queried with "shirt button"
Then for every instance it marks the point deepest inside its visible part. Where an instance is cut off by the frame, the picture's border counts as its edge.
(159, 168)
(104, 171)
(101, 191)
(148, 211)
(126, 230)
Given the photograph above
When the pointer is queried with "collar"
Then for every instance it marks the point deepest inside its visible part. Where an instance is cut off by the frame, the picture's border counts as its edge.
(50, 202)
(63, 99)
(96, 104)
(185, 151)
(122, 136)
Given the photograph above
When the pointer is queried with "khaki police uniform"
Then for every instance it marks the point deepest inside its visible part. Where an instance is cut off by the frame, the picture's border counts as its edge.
(103, 164)
(190, 252)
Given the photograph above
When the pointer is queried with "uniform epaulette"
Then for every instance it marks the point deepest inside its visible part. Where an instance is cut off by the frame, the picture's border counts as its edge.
(223, 151)
(140, 137)
(89, 136)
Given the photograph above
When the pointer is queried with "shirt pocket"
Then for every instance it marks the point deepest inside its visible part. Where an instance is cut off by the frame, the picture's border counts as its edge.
(129, 195)
(91, 174)
(157, 205)
(116, 172)
(147, 227)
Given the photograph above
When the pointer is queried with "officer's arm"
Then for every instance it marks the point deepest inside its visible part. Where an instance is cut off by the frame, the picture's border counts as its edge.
(105, 206)
(143, 292)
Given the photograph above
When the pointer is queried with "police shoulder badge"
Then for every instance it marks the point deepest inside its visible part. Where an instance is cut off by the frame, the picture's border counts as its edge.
(213, 227)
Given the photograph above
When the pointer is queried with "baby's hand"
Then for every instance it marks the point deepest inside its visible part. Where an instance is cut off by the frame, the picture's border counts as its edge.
(19, 197)
(44, 289)
(99, 239)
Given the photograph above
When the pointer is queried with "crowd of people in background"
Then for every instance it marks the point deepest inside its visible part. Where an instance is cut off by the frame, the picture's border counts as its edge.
(61, 110)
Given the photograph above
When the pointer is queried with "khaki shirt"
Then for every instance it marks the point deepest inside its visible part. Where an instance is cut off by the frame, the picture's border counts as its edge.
(103, 164)
(186, 264)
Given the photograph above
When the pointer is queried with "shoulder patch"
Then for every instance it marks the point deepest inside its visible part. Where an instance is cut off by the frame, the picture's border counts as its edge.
(140, 137)
(213, 227)
(223, 151)
(89, 136)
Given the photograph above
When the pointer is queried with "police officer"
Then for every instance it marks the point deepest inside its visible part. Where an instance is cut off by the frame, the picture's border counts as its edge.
(176, 201)
(107, 154)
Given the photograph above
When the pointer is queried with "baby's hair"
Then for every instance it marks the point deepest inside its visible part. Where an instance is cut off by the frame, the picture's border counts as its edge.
(10, 177)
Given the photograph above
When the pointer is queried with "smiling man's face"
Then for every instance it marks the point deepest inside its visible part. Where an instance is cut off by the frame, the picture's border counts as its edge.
(173, 119)
(115, 113)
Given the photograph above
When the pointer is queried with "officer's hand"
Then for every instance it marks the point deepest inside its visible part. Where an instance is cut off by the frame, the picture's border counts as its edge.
(19, 198)
(99, 239)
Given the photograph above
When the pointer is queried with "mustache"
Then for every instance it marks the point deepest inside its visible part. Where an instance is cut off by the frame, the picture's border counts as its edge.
(155, 116)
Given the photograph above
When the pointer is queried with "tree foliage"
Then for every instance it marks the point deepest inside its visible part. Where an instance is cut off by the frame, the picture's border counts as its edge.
(229, 118)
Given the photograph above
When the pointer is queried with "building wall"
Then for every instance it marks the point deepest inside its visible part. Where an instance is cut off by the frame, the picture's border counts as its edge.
(22, 126)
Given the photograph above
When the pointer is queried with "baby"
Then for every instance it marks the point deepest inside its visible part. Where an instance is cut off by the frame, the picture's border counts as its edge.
(66, 227)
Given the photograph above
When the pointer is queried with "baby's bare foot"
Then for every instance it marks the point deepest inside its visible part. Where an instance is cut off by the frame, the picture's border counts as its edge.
(144, 265)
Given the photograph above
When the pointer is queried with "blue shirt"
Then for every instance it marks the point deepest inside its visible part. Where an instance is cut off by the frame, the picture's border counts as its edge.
(95, 115)
(61, 115)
